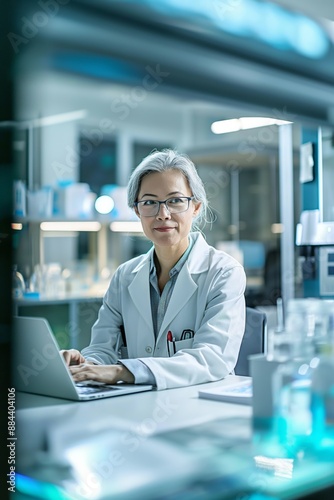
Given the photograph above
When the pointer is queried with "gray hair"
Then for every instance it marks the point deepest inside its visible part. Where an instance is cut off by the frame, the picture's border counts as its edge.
(168, 159)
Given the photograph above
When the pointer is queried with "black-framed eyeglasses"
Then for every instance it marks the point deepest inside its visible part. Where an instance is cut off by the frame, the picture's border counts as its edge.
(175, 205)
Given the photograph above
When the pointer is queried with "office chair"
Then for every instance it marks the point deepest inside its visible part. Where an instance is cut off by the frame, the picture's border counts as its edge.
(253, 341)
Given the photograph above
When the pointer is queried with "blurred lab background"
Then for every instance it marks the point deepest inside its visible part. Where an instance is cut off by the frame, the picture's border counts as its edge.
(99, 85)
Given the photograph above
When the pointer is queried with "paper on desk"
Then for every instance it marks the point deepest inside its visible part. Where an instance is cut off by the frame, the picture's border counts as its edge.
(239, 393)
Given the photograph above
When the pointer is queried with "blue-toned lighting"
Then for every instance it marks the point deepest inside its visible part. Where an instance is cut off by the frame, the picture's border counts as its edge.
(35, 489)
(97, 66)
(270, 23)
(276, 25)
(309, 39)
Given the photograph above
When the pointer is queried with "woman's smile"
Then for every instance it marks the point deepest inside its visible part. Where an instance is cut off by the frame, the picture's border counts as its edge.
(164, 229)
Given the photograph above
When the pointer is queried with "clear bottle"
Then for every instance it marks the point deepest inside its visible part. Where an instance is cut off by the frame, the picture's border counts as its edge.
(322, 402)
(307, 317)
(292, 396)
(19, 198)
(18, 284)
(305, 330)
(55, 284)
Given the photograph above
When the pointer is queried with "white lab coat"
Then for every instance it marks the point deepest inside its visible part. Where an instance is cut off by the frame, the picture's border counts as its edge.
(208, 298)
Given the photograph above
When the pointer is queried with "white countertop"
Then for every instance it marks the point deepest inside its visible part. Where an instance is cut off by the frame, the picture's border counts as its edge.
(153, 445)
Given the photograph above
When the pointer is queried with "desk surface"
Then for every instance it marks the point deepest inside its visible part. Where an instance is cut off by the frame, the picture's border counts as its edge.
(183, 407)
(153, 445)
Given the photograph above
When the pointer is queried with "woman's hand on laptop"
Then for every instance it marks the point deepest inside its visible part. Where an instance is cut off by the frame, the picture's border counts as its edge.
(72, 357)
(108, 374)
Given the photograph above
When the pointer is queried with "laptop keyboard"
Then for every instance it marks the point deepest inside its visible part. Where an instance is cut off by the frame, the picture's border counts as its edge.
(90, 388)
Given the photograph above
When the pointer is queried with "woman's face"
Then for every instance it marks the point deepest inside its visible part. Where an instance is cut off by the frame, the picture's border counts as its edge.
(166, 229)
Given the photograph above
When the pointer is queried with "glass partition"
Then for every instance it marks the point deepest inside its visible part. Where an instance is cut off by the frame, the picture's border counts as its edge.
(328, 175)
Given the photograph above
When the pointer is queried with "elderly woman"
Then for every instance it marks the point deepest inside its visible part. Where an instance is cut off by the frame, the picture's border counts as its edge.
(180, 308)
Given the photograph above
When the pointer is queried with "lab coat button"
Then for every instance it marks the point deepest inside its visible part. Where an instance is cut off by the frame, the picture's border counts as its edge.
(148, 349)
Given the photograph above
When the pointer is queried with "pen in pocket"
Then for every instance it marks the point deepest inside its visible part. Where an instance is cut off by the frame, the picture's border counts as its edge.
(169, 339)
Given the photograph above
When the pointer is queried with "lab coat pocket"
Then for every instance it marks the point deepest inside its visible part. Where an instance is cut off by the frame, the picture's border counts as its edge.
(177, 345)
(184, 344)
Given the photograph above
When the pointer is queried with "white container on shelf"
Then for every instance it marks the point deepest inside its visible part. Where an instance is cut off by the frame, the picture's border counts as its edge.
(40, 202)
(71, 200)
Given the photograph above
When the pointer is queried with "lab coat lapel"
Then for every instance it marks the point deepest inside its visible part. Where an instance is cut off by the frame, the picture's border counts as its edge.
(139, 290)
(183, 291)
(185, 286)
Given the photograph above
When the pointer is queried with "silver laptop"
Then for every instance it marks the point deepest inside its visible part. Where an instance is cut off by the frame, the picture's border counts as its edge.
(39, 368)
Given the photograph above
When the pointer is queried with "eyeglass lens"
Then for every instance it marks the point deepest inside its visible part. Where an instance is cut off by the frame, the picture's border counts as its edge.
(174, 205)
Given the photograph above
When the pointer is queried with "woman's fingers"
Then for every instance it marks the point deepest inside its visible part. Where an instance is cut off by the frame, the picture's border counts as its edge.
(72, 357)
(107, 374)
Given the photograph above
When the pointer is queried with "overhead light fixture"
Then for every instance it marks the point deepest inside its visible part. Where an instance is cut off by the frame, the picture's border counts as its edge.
(45, 121)
(71, 226)
(277, 228)
(126, 227)
(236, 124)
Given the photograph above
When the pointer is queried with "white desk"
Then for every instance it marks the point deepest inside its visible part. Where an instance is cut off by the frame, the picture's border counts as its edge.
(153, 445)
